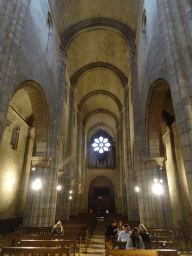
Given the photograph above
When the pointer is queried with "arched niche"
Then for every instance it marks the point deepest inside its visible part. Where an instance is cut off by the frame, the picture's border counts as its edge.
(27, 122)
(162, 141)
(101, 195)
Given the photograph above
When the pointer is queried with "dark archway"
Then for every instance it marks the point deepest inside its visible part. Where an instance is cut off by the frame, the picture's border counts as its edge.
(101, 195)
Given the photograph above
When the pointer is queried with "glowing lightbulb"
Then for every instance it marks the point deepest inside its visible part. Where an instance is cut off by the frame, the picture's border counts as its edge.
(36, 184)
(157, 189)
(137, 189)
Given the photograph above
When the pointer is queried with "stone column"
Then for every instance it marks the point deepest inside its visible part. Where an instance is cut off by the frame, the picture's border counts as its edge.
(44, 201)
(78, 160)
(84, 169)
(153, 208)
(130, 181)
(179, 84)
(12, 24)
(138, 168)
(120, 160)
(173, 178)
(183, 181)
(26, 171)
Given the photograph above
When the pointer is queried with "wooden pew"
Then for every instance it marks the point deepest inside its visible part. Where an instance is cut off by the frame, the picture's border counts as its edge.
(163, 238)
(119, 252)
(76, 230)
(115, 245)
(35, 251)
(51, 243)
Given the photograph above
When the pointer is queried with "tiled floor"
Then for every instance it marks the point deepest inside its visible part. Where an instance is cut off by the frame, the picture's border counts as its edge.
(97, 243)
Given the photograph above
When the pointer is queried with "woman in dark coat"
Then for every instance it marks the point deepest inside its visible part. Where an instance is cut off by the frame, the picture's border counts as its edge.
(145, 236)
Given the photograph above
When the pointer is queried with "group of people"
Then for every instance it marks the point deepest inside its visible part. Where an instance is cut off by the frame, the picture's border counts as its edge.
(136, 239)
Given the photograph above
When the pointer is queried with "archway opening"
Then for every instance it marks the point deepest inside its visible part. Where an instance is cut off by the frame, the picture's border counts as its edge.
(101, 196)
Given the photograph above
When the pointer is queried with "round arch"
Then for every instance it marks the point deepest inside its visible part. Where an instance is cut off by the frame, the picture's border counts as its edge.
(101, 195)
(91, 66)
(101, 126)
(103, 92)
(154, 114)
(39, 108)
(70, 33)
(100, 111)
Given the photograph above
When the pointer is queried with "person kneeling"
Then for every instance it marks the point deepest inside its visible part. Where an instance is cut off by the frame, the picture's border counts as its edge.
(135, 241)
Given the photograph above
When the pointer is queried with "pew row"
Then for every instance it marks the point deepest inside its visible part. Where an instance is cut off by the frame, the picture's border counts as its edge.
(80, 233)
(51, 243)
(120, 252)
(35, 251)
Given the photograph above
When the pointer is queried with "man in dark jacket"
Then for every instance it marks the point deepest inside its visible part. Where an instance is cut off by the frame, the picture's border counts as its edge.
(112, 229)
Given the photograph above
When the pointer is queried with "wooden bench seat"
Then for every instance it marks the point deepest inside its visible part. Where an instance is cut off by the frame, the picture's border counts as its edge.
(51, 243)
(114, 244)
(35, 251)
(119, 252)
(78, 231)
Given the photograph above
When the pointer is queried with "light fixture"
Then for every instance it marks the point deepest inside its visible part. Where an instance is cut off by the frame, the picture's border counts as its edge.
(137, 189)
(36, 184)
(155, 180)
(157, 189)
(70, 197)
(59, 187)
(70, 192)
(33, 168)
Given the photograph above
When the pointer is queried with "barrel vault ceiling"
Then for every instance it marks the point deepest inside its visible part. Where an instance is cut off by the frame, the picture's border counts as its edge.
(98, 36)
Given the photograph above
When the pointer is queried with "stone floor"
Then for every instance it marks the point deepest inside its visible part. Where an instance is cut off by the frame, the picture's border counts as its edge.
(97, 243)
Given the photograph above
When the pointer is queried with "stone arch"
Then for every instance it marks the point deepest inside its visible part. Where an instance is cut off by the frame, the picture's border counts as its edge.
(156, 97)
(109, 94)
(118, 73)
(27, 117)
(162, 140)
(40, 112)
(69, 34)
(101, 194)
(100, 111)
(101, 126)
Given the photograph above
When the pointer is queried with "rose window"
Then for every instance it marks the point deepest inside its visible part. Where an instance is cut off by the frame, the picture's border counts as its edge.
(101, 145)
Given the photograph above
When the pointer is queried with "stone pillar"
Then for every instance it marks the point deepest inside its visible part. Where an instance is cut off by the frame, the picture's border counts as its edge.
(120, 164)
(26, 171)
(173, 178)
(180, 87)
(43, 202)
(84, 169)
(138, 167)
(153, 208)
(78, 161)
(12, 24)
(183, 181)
(130, 181)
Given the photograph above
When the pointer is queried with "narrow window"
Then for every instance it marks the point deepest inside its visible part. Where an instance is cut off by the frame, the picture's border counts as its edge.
(50, 31)
(144, 26)
(15, 137)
